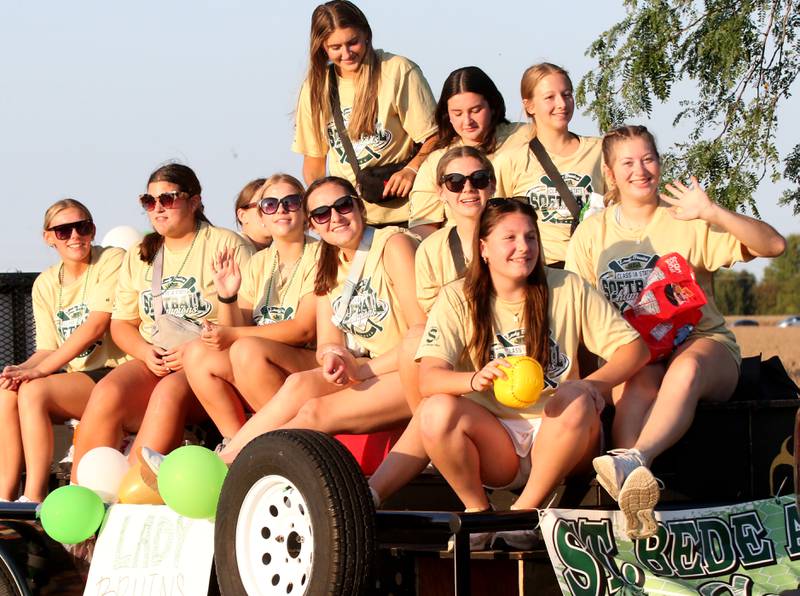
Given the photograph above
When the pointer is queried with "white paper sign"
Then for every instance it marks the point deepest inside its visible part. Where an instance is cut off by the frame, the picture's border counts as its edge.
(149, 550)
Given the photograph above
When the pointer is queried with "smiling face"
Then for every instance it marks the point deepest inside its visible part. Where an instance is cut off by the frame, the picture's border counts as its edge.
(175, 222)
(283, 224)
(346, 48)
(342, 229)
(470, 115)
(76, 248)
(551, 105)
(511, 249)
(635, 170)
(468, 203)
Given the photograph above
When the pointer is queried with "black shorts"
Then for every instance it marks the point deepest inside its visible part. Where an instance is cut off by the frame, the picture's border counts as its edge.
(98, 373)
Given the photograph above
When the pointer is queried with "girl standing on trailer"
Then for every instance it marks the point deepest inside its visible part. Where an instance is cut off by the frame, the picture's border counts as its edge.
(471, 113)
(366, 303)
(385, 102)
(266, 318)
(616, 252)
(248, 217)
(547, 98)
(510, 304)
(72, 303)
(150, 394)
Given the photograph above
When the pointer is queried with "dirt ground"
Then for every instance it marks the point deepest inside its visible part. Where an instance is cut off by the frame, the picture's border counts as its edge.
(769, 340)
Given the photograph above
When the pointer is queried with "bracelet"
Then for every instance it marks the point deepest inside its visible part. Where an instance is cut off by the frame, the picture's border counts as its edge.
(472, 378)
(331, 349)
(416, 171)
(229, 299)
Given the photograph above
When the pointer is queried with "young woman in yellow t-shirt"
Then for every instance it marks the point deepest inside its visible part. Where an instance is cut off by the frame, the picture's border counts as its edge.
(386, 103)
(262, 337)
(471, 112)
(351, 392)
(510, 304)
(72, 304)
(248, 217)
(547, 98)
(150, 394)
(616, 252)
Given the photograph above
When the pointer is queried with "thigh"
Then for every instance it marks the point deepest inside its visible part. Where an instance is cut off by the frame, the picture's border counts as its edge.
(643, 386)
(715, 369)
(293, 359)
(129, 387)
(65, 394)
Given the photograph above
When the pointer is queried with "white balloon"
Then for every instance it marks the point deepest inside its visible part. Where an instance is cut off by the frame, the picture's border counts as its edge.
(102, 470)
(124, 237)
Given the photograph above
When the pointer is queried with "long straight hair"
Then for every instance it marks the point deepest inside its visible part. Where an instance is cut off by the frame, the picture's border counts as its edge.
(341, 14)
(478, 290)
(611, 139)
(328, 263)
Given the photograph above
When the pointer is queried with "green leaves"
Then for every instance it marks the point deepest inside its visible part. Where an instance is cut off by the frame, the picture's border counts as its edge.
(735, 61)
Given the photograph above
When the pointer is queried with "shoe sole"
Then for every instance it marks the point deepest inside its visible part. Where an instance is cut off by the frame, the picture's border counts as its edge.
(637, 499)
(149, 476)
(606, 475)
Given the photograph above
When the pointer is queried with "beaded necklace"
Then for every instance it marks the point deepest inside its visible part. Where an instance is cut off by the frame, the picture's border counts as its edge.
(61, 283)
(271, 281)
(185, 258)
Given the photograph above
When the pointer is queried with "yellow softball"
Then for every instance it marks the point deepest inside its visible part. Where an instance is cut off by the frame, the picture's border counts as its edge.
(524, 384)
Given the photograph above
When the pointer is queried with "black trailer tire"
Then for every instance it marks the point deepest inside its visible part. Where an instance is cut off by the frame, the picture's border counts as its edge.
(10, 583)
(295, 517)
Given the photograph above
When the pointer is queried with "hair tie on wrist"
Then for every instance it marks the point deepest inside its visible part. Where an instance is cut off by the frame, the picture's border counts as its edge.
(229, 299)
(472, 379)
(416, 171)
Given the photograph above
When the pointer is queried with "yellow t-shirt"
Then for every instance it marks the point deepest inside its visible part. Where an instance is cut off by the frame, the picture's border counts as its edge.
(187, 291)
(56, 319)
(405, 116)
(617, 261)
(425, 205)
(373, 320)
(519, 174)
(259, 282)
(577, 312)
(434, 266)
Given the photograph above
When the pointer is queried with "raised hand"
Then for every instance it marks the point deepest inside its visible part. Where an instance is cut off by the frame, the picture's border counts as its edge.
(227, 277)
(688, 202)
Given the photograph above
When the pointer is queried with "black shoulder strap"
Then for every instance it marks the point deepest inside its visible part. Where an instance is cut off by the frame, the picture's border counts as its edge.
(338, 120)
(456, 251)
(555, 176)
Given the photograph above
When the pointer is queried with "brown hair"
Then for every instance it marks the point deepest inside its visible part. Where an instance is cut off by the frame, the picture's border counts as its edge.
(478, 290)
(611, 139)
(341, 14)
(459, 152)
(531, 78)
(59, 206)
(186, 180)
(328, 262)
(245, 196)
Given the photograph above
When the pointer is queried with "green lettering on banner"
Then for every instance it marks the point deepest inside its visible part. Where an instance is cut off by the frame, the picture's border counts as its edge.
(652, 553)
(582, 573)
(750, 537)
(740, 585)
(685, 549)
(597, 537)
(792, 525)
(718, 554)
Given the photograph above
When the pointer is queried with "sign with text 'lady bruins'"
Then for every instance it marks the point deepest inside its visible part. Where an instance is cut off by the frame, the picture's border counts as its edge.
(737, 550)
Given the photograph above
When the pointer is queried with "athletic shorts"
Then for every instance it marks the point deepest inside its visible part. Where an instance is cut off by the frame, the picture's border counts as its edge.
(98, 373)
(522, 432)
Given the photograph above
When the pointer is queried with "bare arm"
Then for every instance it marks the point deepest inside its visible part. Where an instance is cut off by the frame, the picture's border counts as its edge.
(313, 168)
(398, 258)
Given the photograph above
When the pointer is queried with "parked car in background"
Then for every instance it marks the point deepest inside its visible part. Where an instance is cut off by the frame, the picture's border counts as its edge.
(745, 323)
(793, 321)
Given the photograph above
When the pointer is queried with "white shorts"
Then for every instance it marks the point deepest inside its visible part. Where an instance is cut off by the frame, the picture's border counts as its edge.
(522, 432)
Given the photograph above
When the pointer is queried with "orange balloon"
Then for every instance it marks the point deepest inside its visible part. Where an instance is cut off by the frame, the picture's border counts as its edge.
(524, 384)
(135, 491)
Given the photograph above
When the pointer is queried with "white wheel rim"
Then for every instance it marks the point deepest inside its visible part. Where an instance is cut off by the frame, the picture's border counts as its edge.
(274, 539)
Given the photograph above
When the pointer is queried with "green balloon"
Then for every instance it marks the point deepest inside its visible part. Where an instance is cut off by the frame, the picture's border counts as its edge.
(71, 514)
(190, 480)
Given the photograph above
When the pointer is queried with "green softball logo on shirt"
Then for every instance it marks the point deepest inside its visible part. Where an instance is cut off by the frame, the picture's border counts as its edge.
(180, 297)
(367, 148)
(545, 199)
(365, 311)
(513, 344)
(273, 314)
(68, 319)
(625, 278)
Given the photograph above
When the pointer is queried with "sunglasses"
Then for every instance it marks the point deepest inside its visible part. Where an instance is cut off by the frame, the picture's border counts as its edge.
(343, 206)
(84, 227)
(270, 205)
(167, 200)
(479, 180)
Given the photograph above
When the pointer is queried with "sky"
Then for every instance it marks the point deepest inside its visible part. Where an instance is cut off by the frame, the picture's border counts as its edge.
(95, 95)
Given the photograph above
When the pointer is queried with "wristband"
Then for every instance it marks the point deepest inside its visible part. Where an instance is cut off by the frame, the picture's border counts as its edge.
(229, 299)
(416, 171)
(472, 378)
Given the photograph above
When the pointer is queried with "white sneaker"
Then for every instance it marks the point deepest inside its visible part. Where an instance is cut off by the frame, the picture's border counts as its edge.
(613, 469)
(516, 539)
(477, 541)
(151, 462)
(637, 499)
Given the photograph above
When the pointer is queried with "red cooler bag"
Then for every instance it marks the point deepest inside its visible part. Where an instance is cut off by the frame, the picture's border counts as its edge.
(669, 306)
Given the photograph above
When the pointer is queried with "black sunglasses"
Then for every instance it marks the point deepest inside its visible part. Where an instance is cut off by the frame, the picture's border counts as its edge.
(166, 199)
(270, 205)
(343, 206)
(84, 227)
(479, 180)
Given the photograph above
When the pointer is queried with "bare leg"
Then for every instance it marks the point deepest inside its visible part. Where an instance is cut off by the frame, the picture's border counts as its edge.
(564, 444)
(469, 447)
(11, 453)
(118, 402)
(632, 402)
(405, 461)
(260, 367)
(59, 397)
(408, 367)
(210, 376)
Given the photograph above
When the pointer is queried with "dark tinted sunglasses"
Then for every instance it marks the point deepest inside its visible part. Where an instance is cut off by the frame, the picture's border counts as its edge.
(270, 205)
(343, 206)
(479, 180)
(166, 199)
(84, 227)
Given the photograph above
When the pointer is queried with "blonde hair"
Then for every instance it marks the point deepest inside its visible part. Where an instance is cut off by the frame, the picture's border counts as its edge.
(277, 179)
(614, 137)
(459, 152)
(533, 76)
(59, 206)
(327, 18)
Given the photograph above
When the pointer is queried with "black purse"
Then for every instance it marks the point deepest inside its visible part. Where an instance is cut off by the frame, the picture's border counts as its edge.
(370, 181)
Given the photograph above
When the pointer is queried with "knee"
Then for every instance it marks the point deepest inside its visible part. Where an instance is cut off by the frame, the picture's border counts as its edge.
(8, 402)
(194, 355)
(311, 415)
(438, 416)
(106, 402)
(243, 351)
(32, 395)
(580, 415)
